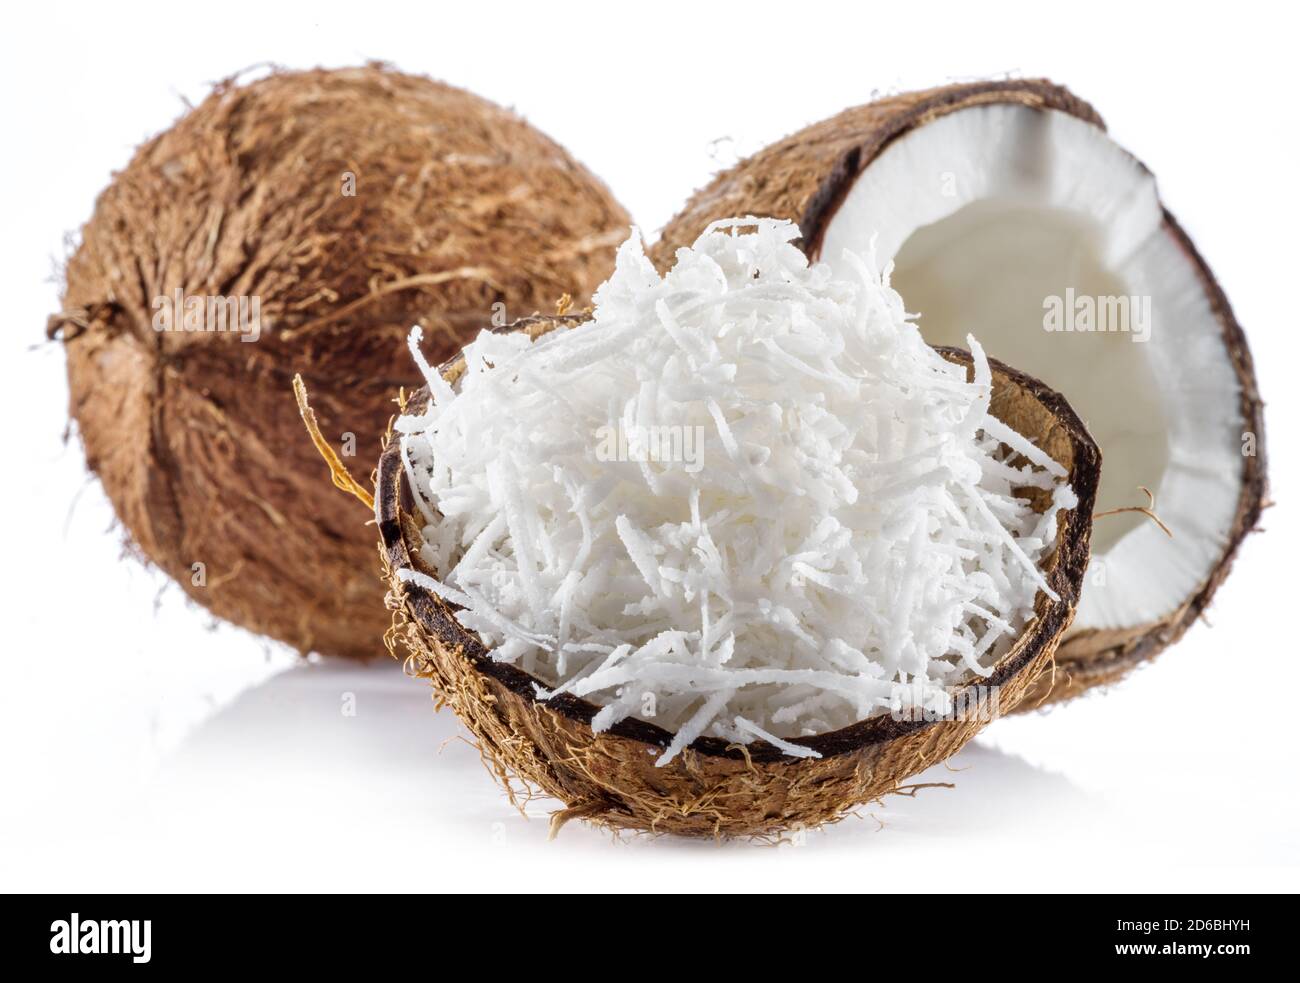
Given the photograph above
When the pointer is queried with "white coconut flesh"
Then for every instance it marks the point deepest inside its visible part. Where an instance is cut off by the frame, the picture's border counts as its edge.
(990, 211)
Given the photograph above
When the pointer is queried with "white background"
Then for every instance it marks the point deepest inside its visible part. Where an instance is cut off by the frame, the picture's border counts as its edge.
(143, 747)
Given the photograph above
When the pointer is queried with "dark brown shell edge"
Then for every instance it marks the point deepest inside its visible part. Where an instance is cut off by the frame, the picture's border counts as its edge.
(805, 177)
(713, 788)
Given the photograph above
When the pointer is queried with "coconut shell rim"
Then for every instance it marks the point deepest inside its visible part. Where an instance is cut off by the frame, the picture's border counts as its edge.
(1033, 93)
(1042, 633)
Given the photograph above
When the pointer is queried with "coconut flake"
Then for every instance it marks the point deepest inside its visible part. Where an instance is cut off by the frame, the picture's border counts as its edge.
(794, 750)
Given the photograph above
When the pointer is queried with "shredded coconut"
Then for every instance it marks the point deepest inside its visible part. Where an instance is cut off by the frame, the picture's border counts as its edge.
(847, 539)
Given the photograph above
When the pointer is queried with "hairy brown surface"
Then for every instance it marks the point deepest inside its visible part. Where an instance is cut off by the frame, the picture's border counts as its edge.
(459, 205)
(713, 788)
(805, 177)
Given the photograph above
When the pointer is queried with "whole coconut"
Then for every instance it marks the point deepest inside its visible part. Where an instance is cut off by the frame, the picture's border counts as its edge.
(349, 205)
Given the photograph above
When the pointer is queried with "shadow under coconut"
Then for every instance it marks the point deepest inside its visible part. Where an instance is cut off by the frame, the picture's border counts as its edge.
(329, 743)
(992, 791)
(333, 743)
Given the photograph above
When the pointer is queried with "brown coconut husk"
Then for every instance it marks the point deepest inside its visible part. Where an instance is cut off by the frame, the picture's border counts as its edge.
(714, 788)
(805, 177)
(459, 205)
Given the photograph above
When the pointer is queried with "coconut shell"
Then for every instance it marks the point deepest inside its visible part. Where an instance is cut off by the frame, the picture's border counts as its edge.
(714, 788)
(458, 205)
(805, 177)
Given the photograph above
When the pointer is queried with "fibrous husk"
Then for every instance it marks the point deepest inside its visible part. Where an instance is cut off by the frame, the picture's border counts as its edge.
(353, 204)
(805, 177)
(713, 788)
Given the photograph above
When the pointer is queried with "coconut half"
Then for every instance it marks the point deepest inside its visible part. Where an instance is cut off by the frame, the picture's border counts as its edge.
(716, 788)
(1010, 214)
